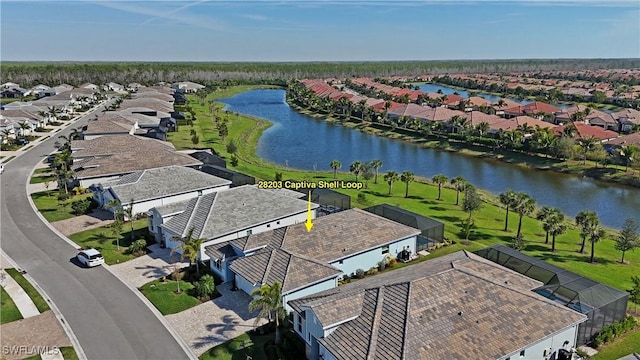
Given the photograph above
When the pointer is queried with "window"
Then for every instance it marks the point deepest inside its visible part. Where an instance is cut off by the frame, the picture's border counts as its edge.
(522, 353)
(268, 225)
(249, 232)
(385, 249)
(299, 323)
(216, 263)
(277, 222)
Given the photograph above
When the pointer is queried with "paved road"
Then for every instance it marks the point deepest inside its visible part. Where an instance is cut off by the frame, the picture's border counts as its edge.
(109, 319)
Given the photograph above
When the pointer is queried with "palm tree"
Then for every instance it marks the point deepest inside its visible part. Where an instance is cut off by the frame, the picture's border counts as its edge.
(524, 205)
(587, 144)
(595, 235)
(508, 199)
(459, 183)
(190, 247)
(128, 212)
(544, 215)
(376, 164)
(115, 205)
(586, 220)
(406, 178)
(483, 128)
(335, 165)
(627, 153)
(268, 301)
(24, 126)
(556, 226)
(356, 168)
(390, 177)
(440, 179)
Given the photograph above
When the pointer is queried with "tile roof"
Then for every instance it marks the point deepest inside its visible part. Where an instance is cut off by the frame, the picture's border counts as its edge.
(151, 103)
(128, 162)
(533, 108)
(329, 241)
(458, 306)
(515, 122)
(292, 271)
(117, 144)
(631, 139)
(585, 131)
(229, 211)
(162, 182)
(172, 209)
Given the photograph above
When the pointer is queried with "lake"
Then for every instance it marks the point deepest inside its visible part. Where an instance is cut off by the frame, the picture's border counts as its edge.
(299, 141)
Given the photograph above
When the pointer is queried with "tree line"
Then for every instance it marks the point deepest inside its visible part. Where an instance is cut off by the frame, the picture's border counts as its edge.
(30, 74)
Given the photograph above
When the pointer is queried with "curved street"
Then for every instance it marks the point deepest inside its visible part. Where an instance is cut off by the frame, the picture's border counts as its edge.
(109, 320)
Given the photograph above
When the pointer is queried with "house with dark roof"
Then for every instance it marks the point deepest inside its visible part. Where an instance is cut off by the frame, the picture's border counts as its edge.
(232, 214)
(150, 188)
(459, 306)
(338, 244)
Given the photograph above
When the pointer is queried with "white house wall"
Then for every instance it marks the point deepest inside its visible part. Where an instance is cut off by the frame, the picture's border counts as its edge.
(536, 351)
(310, 290)
(369, 259)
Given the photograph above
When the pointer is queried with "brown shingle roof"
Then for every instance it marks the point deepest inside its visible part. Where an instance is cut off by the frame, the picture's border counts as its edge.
(128, 162)
(457, 306)
(292, 271)
(117, 144)
(344, 234)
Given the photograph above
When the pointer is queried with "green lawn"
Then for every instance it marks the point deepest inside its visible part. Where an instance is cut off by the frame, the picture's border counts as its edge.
(47, 203)
(69, 353)
(626, 345)
(8, 310)
(35, 296)
(40, 171)
(163, 295)
(103, 240)
(234, 349)
(40, 179)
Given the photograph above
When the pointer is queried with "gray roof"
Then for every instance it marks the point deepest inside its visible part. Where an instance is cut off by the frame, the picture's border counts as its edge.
(224, 212)
(162, 182)
(292, 271)
(435, 310)
(173, 208)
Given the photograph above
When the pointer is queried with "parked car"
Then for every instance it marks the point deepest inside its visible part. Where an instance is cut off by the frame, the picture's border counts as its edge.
(90, 257)
(22, 141)
(1, 168)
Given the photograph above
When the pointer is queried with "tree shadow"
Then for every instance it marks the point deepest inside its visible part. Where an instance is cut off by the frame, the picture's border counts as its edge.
(453, 219)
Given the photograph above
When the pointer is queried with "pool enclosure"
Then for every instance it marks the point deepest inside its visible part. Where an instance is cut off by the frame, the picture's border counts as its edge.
(602, 304)
(432, 231)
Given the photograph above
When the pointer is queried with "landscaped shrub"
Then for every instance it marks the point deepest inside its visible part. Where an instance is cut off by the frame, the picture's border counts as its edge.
(138, 247)
(360, 273)
(79, 190)
(382, 264)
(80, 207)
(205, 287)
(372, 271)
(362, 198)
(614, 330)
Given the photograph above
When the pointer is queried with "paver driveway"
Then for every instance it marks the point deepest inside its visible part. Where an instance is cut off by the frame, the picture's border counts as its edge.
(149, 267)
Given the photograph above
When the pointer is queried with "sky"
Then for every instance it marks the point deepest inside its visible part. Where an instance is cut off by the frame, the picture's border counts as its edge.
(322, 30)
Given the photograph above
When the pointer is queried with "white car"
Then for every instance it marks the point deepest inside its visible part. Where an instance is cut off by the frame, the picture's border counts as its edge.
(90, 257)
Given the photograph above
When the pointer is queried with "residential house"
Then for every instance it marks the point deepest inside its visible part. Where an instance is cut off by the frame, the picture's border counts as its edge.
(591, 116)
(155, 187)
(501, 105)
(115, 87)
(459, 306)
(627, 119)
(37, 89)
(12, 93)
(338, 244)
(535, 109)
(9, 85)
(234, 213)
(586, 131)
(62, 88)
(188, 86)
(152, 104)
(90, 86)
(208, 158)
(518, 122)
(625, 140)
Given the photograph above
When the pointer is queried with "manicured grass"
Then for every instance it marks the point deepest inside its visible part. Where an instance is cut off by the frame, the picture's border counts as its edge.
(234, 348)
(103, 240)
(69, 353)
(8, 310)
(163, 295)
(628, 344)
(34, 357)
(35, 296)
(47, 203)
(41, 179)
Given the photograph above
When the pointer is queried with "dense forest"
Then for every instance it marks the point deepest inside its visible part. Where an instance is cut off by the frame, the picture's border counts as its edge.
(75, 73)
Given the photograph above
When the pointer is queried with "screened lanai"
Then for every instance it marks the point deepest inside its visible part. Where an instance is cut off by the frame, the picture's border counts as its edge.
(602, 304)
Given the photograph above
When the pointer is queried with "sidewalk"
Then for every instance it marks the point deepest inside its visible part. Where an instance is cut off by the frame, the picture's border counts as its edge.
(20, 298)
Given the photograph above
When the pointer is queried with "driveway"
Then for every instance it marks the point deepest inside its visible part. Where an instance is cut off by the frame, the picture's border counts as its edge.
(30, 336)
(202, 326)
(149, 267)
(216, 321)
(97, 218)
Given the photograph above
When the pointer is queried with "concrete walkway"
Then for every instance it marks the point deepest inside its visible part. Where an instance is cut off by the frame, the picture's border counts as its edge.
(19, 296)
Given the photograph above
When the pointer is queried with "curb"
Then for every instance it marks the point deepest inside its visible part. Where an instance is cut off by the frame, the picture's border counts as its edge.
(146, 301)
(67, 329)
